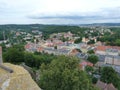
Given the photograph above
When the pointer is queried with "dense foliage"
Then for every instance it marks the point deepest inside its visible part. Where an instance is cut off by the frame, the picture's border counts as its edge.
(111, 38)
(35, 60)
(63, 73)
(93, 59)
(17, 55)
(46, 29)
(90, 52)
(13, 55)
(78, 40)
(109, 75)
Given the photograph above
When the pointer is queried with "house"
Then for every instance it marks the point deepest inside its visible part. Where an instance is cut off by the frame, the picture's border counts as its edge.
(71, 41)
(40, 49)
(73, 52)
(104, 86)
(107, 50)
(17, 33)
(35, 31)
(68, 35)
(108, 60)
(83, 64)
(98, 43)
(30, 47)
(101, 50)
(85, 40)
(56, 51)
(113, 60)
(57, 42)
(101, 60)
(48, 43)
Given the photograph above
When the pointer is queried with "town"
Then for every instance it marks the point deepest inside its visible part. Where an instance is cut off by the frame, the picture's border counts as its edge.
(89, 45)
(59, 45)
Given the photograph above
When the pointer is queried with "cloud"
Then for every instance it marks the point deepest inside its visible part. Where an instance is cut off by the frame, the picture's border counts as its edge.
(106, 13)
(59, 11)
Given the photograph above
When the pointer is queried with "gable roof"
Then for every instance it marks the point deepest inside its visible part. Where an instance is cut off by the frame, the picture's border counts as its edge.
(105, 86)
(110, 87)
(85, 63)
(100, 85)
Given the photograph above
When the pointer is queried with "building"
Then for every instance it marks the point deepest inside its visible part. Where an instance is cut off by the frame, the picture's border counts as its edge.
(113, 60)
(85, 40)
(30, 47)
(105, 86)
(73, 52)
(83, 64)
(101, 60)
(40, 49)
(107, 50)
(56, 51)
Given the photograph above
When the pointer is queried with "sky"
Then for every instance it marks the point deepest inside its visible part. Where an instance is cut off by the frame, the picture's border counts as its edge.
(59, 11)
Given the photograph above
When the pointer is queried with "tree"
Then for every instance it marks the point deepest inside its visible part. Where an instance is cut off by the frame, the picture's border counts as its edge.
(3, 47)
(78, 50)
(94, 80)
(93, 59)
(108, 75)
(19, 47)
(13, 55)
(91, 42)
(89, 68)
(35, 60)
(78, 40)
(63, 73)
(91, 52)
(55, 47)
(29, 59)
(117, 42)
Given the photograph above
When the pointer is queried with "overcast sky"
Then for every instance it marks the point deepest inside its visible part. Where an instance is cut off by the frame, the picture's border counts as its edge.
(59, 11)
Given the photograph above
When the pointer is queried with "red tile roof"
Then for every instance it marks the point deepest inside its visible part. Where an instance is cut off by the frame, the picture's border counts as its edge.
(84, 63)
(103, 48)
(74, 52)
(40, 49)
(28, 46)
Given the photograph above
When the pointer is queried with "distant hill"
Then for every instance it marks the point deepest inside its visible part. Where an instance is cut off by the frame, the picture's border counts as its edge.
(39, 25)
(101, 24)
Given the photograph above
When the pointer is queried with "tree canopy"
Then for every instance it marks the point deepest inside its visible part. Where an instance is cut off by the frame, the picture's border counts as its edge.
(109, 75)
(78, 40)
(91, 52)
(63, 73)
(93, 59)
(13, 55)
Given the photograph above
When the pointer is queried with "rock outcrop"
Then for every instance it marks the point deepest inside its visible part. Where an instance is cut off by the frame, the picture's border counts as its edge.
(20, 79)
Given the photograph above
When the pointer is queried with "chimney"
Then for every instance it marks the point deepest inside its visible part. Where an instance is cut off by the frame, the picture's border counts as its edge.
(1, 55)
(1, 63)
